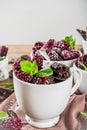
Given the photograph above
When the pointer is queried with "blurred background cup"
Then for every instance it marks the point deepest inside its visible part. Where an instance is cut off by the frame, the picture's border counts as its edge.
(4, 69)
(83, 82)
(84, 45)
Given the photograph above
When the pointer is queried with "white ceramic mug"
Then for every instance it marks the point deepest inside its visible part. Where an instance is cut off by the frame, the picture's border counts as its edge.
(4, 69)
(43, 104)
(84, 44)
(83, 84)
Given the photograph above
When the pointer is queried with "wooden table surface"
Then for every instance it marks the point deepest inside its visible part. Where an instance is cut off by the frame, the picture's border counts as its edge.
(15, 51)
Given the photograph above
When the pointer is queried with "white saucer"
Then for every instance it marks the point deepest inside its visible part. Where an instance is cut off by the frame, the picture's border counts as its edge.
(42, 123)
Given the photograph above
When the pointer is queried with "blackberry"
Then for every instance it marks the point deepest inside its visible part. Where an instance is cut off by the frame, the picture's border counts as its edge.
(37, 46)
(76, 53)
(39, 59)
(3, 51)
(57, 50)
(16, 65)
(59, 44)
(65, 54)
(54, 56)
(11, 123)
(63, 45)
(49, 45)
(37, 80)
(23, 76)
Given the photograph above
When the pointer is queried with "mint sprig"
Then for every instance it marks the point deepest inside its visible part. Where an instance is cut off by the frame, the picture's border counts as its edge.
(29, 67)
(45, 72)
(83, 65)
(69, 40)
(3, 115)
(32, 69)
(9, 86)
(84, 114)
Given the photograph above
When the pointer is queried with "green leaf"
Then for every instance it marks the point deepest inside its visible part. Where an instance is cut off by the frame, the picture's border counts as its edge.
(9, 86)
(3, 115)
(29, 67)
(45, 72)
(83, 65)
(69, 40)
(84, 114)
(2, 58)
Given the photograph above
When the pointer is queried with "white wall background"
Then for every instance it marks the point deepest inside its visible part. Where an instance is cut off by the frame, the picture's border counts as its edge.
(27, 21)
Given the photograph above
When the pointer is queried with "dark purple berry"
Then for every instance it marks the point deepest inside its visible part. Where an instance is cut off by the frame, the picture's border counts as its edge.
(62, 45)
(49, 45)
(54, 56)
(11, 123)
(16, 65)
(65, 54)
(76, 53)
(23, 76)
(37, 46)
(37, 80)
(57, 50)
(39, 59)
(65, 46)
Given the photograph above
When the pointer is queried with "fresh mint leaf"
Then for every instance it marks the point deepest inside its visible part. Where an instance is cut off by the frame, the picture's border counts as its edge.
(83, 65)
(9, 86)
(69, 40)
(3, 115)
(2, 58)
(45, 72)
(35, 67)
(29, 67)
(84, 114)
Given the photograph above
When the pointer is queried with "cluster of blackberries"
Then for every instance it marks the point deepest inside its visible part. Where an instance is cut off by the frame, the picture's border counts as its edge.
(28, 78)
(11, 123)
(57, 51)
(59, 70)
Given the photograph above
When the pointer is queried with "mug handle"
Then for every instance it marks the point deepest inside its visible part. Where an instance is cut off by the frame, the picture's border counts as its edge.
(78, 81)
